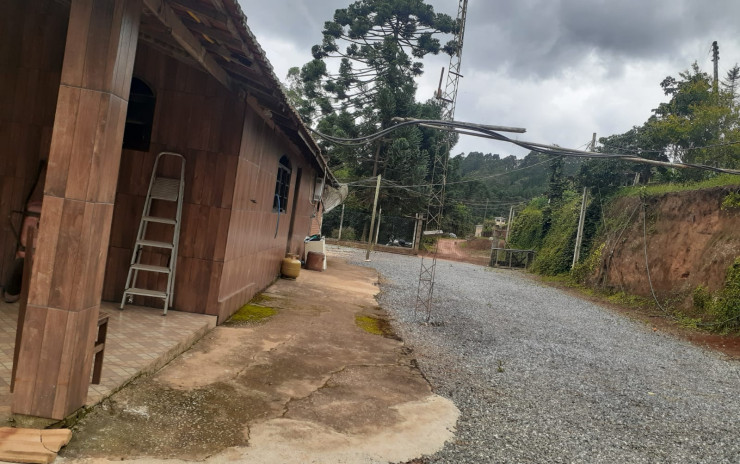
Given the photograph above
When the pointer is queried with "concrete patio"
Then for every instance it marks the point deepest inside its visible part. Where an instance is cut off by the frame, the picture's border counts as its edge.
(140, 341)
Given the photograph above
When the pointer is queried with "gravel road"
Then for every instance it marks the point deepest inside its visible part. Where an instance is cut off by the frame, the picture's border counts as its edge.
(541, 376)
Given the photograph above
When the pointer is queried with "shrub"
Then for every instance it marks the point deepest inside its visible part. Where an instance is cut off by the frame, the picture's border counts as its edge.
(526, 230)
(702, 298)
(726, 307)
(586, 268)
(732, 200)
(348, 233)
(556, 253)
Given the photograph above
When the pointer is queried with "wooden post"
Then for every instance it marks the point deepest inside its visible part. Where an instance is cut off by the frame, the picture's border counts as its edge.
(372, 221)
(579, 234)
(23, 300)
(55, 357)
(341, 222)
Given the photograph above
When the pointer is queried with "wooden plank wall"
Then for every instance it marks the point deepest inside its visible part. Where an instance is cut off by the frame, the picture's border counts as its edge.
(253, 251)
(228, 248)
(31, 54)
(197, 117)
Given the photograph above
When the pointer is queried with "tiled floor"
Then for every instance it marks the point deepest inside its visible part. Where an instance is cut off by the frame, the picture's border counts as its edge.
(140, 340)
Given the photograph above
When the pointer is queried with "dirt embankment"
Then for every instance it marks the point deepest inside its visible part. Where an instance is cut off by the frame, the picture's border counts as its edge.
(690, 241)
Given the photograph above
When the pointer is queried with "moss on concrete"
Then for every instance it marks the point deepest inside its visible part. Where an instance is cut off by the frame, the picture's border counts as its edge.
(252, 313)
(374, 325)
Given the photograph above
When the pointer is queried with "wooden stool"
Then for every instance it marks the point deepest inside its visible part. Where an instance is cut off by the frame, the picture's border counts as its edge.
(99, 348)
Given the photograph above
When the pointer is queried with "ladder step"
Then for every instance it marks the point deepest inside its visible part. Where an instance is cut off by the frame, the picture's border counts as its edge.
(145, 292)
(161, 220)
(165, 188)
(151, 268)
(152, 243)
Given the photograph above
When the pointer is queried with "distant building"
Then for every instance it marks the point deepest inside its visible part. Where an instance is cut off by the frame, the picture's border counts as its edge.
(499, 221)
(479, 230)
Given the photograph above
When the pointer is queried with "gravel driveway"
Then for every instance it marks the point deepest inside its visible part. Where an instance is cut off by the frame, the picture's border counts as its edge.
(541, 376)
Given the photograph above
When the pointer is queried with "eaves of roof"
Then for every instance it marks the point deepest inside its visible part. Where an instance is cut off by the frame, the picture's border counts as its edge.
(215, 34)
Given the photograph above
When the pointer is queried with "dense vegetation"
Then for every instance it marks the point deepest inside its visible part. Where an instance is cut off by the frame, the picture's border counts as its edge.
(362, 75)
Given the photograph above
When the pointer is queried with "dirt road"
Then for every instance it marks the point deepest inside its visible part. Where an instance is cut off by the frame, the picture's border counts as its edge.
(543, 376)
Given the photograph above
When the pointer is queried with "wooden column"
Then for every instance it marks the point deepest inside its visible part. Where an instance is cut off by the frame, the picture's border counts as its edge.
(64, 297)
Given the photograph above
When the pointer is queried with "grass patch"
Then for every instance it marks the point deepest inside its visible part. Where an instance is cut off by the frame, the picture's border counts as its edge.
(626, 299)
(660, 189)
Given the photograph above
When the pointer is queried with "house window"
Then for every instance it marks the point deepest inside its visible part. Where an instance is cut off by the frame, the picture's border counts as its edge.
(139, 116)
(282, 186)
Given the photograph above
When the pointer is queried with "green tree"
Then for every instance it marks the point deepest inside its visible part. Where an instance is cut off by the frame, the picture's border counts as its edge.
(696, 125)
(379, 45)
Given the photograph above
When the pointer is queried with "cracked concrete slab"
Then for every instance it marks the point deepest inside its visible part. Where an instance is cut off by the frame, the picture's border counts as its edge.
(306, 385)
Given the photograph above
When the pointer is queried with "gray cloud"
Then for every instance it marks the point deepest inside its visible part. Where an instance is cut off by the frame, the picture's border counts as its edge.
(541, 38)
(561, 68)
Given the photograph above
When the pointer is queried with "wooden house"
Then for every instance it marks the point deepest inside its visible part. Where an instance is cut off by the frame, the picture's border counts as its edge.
(96, 88)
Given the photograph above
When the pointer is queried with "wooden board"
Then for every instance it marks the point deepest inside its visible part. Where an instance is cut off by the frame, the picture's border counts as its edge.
(32, 445)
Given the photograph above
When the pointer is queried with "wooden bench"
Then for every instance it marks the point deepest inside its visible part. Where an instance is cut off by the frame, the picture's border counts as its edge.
(99, 347)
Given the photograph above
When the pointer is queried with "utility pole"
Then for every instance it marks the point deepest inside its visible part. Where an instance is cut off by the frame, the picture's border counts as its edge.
(417, 230)
(377, 156)
(377, 230)
(593, 142)
(372, 221)
(485, 214)
(341, 222)
(715, 59)
(508, 225)
(579, 234)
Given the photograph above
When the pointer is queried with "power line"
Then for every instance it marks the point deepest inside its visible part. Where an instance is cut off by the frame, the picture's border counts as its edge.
(492, 132)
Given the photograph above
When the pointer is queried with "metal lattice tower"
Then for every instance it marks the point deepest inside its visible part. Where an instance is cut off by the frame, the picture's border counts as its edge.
(435, 207)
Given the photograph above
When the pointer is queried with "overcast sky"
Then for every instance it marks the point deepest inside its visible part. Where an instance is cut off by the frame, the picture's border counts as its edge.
(562, 69)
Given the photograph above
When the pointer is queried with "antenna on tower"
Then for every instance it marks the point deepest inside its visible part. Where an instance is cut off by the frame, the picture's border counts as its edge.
(435, 207)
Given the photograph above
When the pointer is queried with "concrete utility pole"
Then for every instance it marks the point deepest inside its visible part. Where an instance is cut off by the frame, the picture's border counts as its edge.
(377, 157)
(341, 222)
(715, 59)
(377, 230)
(508, 225)
(417, 230)
(372, 221)
(593, 142)
(579, 234)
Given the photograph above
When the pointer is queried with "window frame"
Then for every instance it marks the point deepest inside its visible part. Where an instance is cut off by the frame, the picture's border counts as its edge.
(137, 134)
(282, 186)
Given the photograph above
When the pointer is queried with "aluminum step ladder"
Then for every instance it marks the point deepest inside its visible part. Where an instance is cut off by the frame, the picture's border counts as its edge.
(161, 189)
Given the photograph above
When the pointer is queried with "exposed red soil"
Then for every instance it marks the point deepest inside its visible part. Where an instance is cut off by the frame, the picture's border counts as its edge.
(691, 241)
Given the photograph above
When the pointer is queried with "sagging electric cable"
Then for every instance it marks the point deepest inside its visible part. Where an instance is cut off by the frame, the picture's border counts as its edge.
(492, 132)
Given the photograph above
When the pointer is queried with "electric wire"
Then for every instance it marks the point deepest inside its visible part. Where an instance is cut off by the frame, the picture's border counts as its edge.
(647, 266)
(485, 131)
